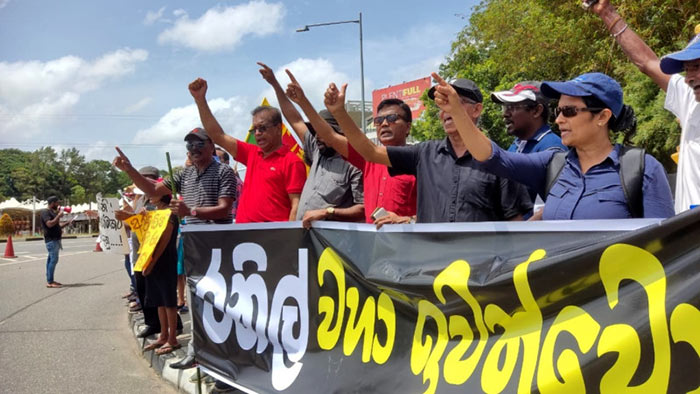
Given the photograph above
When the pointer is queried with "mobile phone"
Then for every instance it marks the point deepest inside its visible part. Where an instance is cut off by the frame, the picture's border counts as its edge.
(378, 213)
(586, 4)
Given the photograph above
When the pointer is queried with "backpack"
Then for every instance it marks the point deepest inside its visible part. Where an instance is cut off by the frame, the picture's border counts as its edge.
(631, 176)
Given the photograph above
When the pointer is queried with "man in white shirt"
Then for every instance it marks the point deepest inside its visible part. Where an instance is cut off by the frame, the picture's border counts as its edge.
(682, 95)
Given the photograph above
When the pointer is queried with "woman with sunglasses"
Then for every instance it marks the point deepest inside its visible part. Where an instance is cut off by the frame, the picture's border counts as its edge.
(589, 184)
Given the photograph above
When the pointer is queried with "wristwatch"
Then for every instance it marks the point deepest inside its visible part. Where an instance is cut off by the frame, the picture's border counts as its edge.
(330, 211)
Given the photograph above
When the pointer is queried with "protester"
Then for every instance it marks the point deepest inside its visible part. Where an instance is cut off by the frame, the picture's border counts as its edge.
(53, 231)
(208, 190)
(589, 185)
(452, 186)
(396, 195)
(526, 115)
(333, 188)
(682, 95)
(274, 175)
(161, 282)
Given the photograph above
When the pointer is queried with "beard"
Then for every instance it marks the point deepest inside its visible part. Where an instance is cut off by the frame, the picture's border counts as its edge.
(326, 151)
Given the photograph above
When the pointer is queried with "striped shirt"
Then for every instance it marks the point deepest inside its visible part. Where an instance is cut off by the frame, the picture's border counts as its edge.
(204, 189)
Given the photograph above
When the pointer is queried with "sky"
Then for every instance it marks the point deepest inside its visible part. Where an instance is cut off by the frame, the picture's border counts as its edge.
(98, 74)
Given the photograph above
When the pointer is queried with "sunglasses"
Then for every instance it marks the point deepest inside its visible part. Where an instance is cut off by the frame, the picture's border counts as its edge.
(570, 111)
(513, 107)
(262, 128)
(195, 145)
(391, 118)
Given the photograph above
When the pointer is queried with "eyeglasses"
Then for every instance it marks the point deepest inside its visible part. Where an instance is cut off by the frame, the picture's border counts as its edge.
(569, 111)
(513, 107)
(262, 128)
(391, 118)
(195, 145)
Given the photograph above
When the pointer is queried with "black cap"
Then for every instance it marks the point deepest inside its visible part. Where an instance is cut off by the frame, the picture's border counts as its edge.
(52, 199)
(199, 133)
(328, 117)
(464, 87)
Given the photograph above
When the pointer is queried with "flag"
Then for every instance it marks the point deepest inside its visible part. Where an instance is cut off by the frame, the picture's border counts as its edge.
(287, 137)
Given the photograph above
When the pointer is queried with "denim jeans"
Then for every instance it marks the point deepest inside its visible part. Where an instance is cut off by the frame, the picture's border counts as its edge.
(52, 247)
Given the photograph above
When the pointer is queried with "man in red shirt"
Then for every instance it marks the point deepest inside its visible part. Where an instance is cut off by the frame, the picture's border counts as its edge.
(274, 177)
(397, 194)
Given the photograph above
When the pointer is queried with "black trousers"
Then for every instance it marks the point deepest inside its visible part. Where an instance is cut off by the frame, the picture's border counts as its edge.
(150, 314)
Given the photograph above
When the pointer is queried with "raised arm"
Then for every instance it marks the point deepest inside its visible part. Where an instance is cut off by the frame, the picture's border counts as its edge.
(322, 128)
(198, 90)
(288, 110)
(477, 143)
(122, 162)
(334, 100)
(634, 47)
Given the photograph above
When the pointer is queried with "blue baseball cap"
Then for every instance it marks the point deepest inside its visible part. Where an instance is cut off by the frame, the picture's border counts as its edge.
(673, 63)
(597, 85)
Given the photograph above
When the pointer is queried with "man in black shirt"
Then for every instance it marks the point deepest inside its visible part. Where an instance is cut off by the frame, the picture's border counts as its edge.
(52, 228)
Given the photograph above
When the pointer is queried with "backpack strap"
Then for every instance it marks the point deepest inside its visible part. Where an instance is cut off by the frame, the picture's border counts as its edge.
(556, 164)
(632, 178)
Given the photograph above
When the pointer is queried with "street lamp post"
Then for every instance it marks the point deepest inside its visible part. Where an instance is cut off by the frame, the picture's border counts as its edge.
(362, 60)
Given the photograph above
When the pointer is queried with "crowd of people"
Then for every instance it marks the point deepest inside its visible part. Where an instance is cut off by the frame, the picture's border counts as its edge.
(575, 173)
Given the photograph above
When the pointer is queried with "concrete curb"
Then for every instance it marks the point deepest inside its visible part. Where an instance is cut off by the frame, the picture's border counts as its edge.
(179, 378)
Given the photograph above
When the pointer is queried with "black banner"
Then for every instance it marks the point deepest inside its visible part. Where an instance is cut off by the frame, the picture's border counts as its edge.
(550, 307)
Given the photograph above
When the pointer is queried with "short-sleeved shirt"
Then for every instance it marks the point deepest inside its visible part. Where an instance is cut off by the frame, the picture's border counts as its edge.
(394, 193)
(268, 183)
(680, 100)
(204, 189)
(452, 189)
(332, 181)
(50, 233)
(597, 194)
(542, 140)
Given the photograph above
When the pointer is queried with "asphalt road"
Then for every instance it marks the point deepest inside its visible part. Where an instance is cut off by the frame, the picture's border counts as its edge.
(73, 339)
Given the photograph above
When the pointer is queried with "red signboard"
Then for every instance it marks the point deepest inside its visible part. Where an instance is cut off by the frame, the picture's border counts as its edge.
(409, 92)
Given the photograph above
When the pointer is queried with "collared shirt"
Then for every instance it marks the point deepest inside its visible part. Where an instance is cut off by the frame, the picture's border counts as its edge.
(394, 193)
(452, 189)
(332, 181)
(680, 100)
(543, 139)
(268, 183)
(204, 189)
(597, 194)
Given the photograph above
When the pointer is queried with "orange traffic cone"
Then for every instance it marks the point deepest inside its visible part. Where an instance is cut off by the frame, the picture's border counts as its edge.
(98, 248)
(9, 250)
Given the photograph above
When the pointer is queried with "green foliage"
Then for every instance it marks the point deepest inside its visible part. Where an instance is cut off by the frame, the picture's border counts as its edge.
(7, 227)
(507, 41)
(65, 174)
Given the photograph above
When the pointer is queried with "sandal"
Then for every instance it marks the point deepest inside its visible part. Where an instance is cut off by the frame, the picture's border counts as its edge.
(53, 285)
(153, 346)
(167, 348)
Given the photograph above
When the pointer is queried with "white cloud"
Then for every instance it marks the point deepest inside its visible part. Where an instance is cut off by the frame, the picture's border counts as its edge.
(34, 94)
(169, 131)
(153, 16)
(223, 28)
(137, 106)
(313, 75)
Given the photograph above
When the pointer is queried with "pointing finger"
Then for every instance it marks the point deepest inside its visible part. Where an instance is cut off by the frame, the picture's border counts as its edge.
(121, 154)
(291, 76)
(438, 79)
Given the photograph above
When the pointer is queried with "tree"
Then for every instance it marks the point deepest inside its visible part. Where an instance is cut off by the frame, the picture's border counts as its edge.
(7, 227)
(508, 41)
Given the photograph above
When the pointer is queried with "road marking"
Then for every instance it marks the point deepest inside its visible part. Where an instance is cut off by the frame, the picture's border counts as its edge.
(15, 262)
